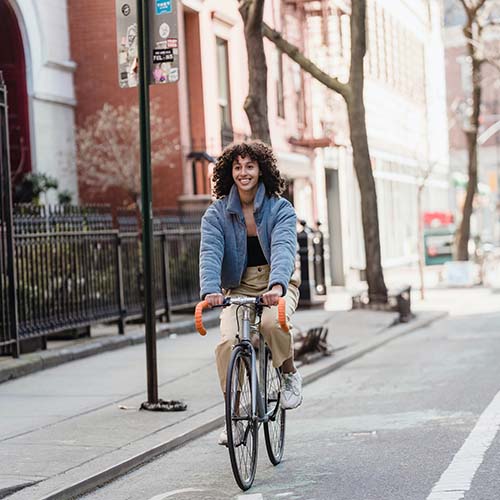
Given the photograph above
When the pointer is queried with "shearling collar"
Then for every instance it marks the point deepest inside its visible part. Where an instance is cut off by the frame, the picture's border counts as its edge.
(234, 203)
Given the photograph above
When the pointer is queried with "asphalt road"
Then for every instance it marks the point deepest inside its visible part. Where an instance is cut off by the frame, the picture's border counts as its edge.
(415, 420)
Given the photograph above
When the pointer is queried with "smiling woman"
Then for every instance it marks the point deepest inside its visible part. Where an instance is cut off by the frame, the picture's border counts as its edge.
(248, 248)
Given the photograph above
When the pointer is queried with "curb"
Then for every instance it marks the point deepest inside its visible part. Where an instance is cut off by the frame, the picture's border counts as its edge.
(329, 365)
(35, 362)
(95, 481)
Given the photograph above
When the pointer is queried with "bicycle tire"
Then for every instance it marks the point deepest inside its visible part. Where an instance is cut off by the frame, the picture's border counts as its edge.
(242, 434)
(274, 429)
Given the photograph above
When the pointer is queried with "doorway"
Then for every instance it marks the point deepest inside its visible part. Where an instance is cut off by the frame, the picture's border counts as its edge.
(335, 227)
(13, 67)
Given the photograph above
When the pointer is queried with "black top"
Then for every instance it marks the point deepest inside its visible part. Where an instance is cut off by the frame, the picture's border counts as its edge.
(254, 252)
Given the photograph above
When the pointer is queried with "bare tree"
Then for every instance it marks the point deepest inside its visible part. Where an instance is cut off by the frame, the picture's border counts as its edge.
(352, 93)
(477, 19)
(108, 152)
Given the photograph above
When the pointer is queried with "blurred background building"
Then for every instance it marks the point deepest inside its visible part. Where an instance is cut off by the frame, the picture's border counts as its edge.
(406, 123)
(485, 219)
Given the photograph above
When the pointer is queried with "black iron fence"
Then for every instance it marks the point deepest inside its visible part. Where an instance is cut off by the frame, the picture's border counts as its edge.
(75, 267)
(9, 339)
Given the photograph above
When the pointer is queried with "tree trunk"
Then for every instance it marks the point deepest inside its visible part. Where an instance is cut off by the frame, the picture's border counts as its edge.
(377, 290)
(464, 230)
(471, 134)
(252, 12)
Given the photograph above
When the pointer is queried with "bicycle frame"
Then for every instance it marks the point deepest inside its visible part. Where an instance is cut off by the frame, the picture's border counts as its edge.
(247, 327)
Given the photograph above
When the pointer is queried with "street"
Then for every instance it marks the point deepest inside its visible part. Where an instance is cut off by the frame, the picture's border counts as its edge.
(388, 426)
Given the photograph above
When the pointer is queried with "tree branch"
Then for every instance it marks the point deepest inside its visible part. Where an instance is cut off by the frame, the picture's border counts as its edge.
(252, 12)
(471, 10)
(305, 63)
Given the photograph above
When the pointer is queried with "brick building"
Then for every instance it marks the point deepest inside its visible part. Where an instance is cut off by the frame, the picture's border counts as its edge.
(205, 108)
(59, 59)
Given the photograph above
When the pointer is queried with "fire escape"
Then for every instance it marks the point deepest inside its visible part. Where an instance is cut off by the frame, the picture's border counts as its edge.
(322, 11)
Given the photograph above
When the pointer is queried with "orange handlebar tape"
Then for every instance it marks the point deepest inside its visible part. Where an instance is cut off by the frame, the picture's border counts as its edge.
(282, 315)
(198, 320)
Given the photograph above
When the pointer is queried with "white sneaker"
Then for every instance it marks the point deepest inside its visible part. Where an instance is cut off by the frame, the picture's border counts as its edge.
(223, 438)
(291, 391)
(238, 438)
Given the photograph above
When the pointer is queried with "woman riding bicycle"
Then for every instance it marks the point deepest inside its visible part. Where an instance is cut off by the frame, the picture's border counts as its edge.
(248, 248)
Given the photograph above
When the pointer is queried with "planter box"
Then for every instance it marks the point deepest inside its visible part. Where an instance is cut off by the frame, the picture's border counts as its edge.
(461, 273)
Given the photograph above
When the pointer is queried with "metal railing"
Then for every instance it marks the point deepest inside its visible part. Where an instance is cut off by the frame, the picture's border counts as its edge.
(9, 339)
(75, 267)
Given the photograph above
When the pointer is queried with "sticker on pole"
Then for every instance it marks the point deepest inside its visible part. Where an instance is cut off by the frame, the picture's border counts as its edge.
(126, 40)
(163, 7)
(164, 42)
(163, 63)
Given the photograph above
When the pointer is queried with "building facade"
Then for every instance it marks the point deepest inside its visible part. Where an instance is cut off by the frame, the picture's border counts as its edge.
(205, 108)
(38, 70)
(406, 123)
(485, 219)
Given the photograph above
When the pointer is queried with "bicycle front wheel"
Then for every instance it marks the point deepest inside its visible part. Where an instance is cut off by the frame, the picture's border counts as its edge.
(242, 429)
(274, 429)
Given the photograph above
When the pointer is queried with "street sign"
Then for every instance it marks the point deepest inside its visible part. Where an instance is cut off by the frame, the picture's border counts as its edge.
(126, 37)
(163, 61)
(164, 42)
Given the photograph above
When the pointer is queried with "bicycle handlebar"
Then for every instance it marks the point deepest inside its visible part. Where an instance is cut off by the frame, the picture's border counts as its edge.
(201, 306)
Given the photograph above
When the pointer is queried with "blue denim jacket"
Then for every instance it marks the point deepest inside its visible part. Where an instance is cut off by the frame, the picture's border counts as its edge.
(223, 251)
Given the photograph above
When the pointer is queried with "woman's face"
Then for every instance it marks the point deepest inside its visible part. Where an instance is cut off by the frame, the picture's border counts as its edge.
(246, 174)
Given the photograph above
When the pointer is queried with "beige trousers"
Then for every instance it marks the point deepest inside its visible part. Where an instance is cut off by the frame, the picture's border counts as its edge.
(255, 282)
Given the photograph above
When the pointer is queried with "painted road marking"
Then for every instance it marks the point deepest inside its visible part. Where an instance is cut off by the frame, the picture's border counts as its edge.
(253, 496)
(168, 494)
(457, 478)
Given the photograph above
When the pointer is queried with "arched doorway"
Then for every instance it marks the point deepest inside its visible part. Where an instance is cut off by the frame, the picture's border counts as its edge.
(13, 67)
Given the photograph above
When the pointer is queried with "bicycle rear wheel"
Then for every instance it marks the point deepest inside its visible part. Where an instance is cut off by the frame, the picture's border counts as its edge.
(274, 429)
(242, 429)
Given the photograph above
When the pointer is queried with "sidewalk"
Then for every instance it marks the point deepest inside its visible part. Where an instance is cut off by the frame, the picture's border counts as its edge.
(73, 427)
(103, 338)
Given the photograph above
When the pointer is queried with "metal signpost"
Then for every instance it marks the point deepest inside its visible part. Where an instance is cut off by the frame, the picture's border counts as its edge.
(148, 54)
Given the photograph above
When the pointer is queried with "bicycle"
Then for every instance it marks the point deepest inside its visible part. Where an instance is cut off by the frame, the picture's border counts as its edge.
(247, 403)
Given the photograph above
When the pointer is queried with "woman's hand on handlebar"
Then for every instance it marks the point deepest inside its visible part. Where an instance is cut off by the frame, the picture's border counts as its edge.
(214, 299)
(272, 297)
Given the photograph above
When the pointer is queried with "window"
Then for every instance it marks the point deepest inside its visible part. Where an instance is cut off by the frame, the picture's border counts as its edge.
(224, 97)
(279, 87)
(298, 83)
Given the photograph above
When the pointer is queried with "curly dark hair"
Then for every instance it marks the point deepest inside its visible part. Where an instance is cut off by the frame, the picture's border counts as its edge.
(257, 151)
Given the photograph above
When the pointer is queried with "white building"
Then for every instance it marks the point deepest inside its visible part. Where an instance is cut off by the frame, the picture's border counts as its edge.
(406, 122)
(36, 64)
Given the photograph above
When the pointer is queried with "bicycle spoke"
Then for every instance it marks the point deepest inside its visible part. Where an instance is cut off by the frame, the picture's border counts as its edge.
(274, 429)
(242, 442)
